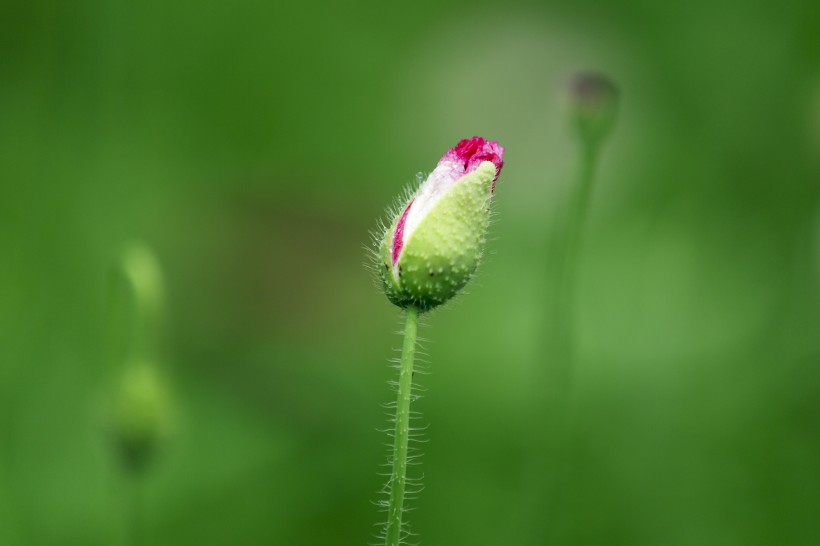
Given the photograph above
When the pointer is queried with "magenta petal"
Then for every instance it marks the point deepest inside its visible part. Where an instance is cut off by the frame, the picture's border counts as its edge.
(471, 152)
(398, 236)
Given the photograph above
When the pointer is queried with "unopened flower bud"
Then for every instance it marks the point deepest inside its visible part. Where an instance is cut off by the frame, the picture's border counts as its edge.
(139, 418)
(435, 241)
(142, 270)
(595, 101)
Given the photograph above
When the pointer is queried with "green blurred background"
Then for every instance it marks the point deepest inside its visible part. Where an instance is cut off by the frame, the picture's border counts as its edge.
(253, 145)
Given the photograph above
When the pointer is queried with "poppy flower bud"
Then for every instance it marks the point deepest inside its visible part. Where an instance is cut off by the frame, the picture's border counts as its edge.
(595, 100)
(435, 241)
(139, 415)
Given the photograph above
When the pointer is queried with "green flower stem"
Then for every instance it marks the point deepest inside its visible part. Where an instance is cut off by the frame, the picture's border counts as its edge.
(133, 510)
(398, 477)
(549, 470)
(579, 207)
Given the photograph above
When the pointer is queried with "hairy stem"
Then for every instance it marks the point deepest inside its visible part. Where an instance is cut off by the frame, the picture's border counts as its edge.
(398, 477)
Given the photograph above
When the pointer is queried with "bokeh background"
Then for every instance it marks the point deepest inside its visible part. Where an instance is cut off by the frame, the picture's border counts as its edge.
(253, 145)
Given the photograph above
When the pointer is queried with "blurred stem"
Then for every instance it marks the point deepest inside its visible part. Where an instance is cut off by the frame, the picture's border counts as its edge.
(135, 527)
(398, 477)
(553, 402)
(579, 207)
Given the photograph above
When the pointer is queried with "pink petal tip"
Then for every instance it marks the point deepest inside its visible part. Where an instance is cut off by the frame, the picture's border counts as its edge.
(470, 152)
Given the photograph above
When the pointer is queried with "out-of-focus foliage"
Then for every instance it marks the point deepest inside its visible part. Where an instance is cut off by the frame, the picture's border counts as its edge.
(252, 145)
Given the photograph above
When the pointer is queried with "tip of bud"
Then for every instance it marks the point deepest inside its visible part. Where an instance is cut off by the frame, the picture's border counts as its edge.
(472, 151)
(595, 99)
(457, 163)
(142, 269)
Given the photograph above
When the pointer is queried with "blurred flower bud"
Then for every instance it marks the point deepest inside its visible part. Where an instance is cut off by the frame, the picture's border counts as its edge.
(141, 268)
(435, 241)
(139, 416)
(595, 101)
